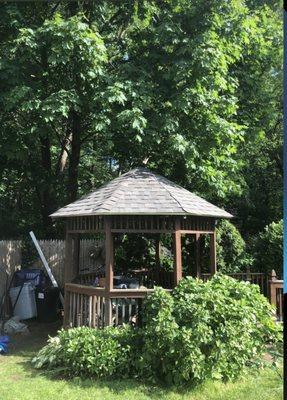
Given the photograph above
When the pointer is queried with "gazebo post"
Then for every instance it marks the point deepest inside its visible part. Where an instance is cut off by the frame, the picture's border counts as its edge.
(197, 256)
(177, 267)
(213, 253)
(109, 270)
(157, 252)
(157, 259)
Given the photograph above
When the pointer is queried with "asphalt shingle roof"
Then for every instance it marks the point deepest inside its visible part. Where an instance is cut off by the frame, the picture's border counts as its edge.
(141, 192)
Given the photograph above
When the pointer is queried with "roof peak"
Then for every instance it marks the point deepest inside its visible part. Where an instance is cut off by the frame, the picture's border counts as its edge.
(141, 191)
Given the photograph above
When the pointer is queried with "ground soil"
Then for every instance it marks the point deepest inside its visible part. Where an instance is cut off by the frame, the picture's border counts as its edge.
(39, 333)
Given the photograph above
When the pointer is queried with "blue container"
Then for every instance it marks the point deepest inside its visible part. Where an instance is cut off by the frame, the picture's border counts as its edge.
(4, 340)
(35, 276)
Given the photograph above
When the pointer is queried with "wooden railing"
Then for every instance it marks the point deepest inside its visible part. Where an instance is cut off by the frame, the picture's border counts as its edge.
(88, 306)
(84, 306)
(156, 277)
(257, 278)
(147, 278)
(270, 286)
(276, 295)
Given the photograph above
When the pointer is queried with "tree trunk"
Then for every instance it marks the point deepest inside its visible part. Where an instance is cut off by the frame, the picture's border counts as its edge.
(45, 188)
(63, 158)
(74, 156)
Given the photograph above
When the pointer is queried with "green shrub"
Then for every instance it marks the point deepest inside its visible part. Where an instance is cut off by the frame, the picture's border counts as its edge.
(231, 249)
(207, 330)
(203, 330)
(89, 352)
(231, 321)
(157, 335)
(268, 248)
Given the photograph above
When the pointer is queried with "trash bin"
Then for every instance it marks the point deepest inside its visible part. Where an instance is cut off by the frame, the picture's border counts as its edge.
(47, 301)
(24, 297)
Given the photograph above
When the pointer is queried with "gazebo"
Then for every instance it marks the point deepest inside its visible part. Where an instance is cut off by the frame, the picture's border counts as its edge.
(138, 201)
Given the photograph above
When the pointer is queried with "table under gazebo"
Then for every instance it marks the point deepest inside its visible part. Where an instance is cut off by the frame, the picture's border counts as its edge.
(137, 202)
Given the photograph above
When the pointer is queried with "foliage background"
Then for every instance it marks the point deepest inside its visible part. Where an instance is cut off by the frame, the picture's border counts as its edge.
(193, 90)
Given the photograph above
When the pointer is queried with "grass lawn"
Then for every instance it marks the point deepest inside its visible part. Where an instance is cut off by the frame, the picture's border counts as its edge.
(18, 380)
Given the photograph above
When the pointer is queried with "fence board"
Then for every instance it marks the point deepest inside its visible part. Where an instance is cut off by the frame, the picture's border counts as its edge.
(10, 261)
(54, 251)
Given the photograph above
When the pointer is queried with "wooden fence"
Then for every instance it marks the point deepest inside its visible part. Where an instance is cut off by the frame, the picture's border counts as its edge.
(10, 261)
(54, 251)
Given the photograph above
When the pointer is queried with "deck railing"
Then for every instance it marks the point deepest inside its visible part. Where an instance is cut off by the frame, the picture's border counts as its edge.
(270, 286)
(84, 306)
(257, 278)
(88, 306)
(276, 295)
(146, 278)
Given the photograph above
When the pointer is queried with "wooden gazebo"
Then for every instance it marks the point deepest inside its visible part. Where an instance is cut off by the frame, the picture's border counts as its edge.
(139, 201)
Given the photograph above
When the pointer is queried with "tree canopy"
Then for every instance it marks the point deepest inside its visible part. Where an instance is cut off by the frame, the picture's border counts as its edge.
(89, 90)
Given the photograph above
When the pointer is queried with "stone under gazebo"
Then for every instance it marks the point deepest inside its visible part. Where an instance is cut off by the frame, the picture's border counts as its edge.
(138, 201)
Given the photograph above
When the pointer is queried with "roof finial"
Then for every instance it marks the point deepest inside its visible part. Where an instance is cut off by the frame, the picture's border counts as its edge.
(145, 161)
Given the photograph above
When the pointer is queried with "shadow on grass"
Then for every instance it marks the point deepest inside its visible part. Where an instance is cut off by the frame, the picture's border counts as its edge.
(115, 386)
(27, 346)
(120, 386)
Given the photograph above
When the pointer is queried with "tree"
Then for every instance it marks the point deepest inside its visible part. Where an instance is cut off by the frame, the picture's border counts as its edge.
(91, 89)
(260, 95)
(268, 248)
(231, 249)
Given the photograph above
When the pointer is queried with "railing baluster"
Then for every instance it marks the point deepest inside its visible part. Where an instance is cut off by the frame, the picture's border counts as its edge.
(102, 316)
(74, 310)
(123, 310)
(99, 299)
(77, 309)
(90, 311)
(130, 310)
(70, 307)
(117, 312)
(94, 311)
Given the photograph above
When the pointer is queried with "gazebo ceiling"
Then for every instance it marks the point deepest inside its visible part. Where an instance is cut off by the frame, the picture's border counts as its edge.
(141, 192)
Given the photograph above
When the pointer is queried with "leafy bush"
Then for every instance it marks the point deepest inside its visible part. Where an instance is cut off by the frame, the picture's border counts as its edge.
(211, 329)
(203, 330)
(268, 248)
(231, 249)
(89, 352)
(158, 335)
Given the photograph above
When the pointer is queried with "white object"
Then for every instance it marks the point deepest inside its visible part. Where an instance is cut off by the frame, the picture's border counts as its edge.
(121, 286)
(134, 285)
(13, 325)
(25, 307)
(46, 265)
